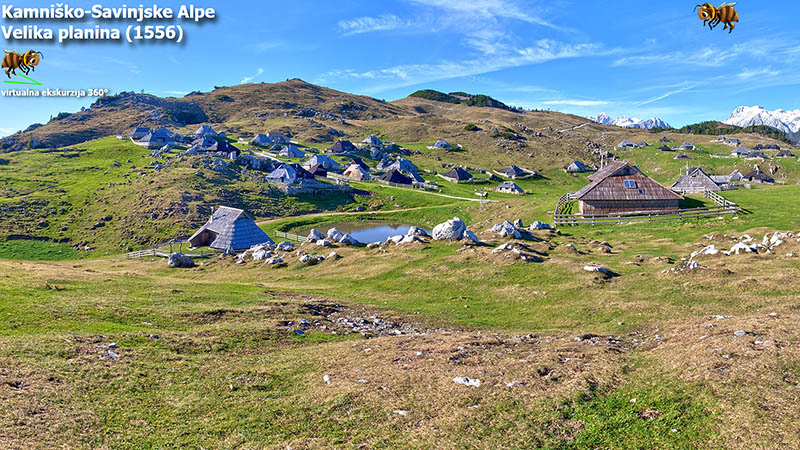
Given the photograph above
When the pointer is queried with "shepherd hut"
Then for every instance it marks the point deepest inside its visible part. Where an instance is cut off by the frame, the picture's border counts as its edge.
(621, 187)
(230, 230)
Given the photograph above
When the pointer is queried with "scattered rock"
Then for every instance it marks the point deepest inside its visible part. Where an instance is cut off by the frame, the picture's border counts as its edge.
(286, 246)
(314, 236)
(179, 260)
(467, 381)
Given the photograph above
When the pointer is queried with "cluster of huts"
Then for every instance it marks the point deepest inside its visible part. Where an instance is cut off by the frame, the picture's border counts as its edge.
(757, 152)
(697, 180)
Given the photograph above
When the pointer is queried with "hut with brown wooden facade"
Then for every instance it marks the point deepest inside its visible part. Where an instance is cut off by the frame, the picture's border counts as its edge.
(621, 188)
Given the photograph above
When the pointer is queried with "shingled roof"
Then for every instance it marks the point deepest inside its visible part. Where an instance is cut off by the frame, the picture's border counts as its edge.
(609, 183)
(230, 229)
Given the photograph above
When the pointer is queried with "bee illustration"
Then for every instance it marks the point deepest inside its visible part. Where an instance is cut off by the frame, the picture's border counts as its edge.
(26, 62)
(712, 16)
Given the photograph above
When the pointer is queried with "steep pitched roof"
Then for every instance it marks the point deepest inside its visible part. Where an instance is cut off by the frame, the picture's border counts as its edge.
(512, 172)
(356, 172)
(694, 176)
(624, 181)
(758, 175)
(457, 173)
(235, 230)
(394, 176)
(373, 141)
(510, 186)
(343, 147)
(205, 130)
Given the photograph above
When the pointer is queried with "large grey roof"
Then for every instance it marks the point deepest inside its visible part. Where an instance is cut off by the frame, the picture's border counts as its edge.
(235, 230)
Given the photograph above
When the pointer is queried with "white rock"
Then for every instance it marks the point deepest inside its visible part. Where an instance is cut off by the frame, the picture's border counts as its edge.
(469, 235)
(349, 240)
(503, 248)
(324, 243)
(326, 379)
(452, 229)
(335, 235)
(416, 231)
(314, 236)
(395, 239)
(467, 381)
(597, 269)
(540, 226)
(710, 250)
(742, 247)
(507, 229)
(286, 246)
(275, 260)
(400, 412)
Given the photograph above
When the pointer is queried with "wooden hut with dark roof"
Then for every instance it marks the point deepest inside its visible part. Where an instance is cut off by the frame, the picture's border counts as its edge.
(342, 147)
(457, 175)
(758, 176)
(394, 176)
(230, 230)
(621, 187)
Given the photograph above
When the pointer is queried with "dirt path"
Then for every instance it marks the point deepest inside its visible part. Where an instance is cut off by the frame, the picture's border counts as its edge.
(575, 127)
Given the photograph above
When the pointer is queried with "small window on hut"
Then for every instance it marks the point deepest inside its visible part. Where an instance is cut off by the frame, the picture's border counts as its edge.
(630, 184)
(641, 191)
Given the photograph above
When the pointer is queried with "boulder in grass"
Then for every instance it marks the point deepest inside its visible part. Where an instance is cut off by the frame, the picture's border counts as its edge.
(324, 243)
(180, 261)
(286, 246)
(314, 236)
(452, 229)
(416, 231)
(541, 226)
(335, 235)
(470, 236)
(507, 229)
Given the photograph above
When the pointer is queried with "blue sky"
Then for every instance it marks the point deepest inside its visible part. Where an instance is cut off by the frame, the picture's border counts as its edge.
(623, 57)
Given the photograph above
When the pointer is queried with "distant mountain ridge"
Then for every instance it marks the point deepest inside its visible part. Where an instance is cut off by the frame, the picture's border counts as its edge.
(783, 120)
(630, 122)
(461, 98)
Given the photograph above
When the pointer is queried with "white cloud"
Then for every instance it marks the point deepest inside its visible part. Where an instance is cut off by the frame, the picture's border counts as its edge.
(542, 51)
(489, 9)
(747, 74)
(665, 95)
(360, 25)
(6, 131)
(246, 80)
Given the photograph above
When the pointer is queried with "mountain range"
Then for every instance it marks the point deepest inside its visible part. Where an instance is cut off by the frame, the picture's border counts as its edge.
(745, 116)
(630, 122)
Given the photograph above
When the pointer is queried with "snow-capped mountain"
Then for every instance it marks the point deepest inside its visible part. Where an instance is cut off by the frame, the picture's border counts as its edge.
(630, 122)
(745, 116)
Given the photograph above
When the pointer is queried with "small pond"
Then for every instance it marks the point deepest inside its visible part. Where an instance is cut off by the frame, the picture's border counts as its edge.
(365, 232)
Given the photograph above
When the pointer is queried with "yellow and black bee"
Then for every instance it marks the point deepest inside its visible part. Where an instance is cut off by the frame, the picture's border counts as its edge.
(712, 16)
(25, 62)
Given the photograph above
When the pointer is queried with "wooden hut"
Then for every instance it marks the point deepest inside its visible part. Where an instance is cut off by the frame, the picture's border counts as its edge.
(230, 230)
(695, 181)
(509, 187)
(758, 176)
(356, 172)
(513, 172)
(395, 177)
(457, 175)
(621, 187)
